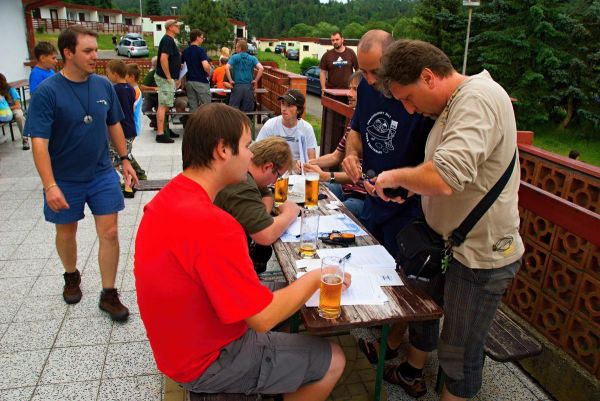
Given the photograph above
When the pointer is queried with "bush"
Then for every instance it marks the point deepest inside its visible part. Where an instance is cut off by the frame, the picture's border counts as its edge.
(308, 62)
(268, 50)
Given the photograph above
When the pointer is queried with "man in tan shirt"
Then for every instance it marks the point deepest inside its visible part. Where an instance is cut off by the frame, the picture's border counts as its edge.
(470, 146)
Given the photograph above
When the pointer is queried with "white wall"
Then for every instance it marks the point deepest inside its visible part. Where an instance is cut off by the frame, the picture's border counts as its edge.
(13, 51)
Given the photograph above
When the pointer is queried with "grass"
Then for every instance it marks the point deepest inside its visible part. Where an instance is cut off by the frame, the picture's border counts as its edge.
(562, 141)
(316, 124)
(284, 63)
(104, 41)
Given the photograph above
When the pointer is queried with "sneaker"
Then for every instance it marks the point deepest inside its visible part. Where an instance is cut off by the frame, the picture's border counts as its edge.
(110, 303)
(25, 144)
(163, 139)
(128, 193)
(71, 290)
(173, 135)
(415, 387)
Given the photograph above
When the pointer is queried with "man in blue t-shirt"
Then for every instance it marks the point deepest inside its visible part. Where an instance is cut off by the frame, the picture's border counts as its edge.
(387, 137)
(243, 64)
(71, 118)
(198, 70)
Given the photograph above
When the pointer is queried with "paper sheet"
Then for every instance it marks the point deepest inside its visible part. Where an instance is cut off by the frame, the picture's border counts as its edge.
(362, 291)
(338, 222)
(382, 276)
(183, 71)
(366, 257)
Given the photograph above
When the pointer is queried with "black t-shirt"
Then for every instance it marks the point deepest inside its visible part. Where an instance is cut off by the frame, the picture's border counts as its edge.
(126, 95)
(167, 45)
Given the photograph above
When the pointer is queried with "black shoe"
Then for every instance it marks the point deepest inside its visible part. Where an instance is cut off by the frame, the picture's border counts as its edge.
(163, 139)
(110, 303)
(128, 194)
(71, 290)
(173, 135)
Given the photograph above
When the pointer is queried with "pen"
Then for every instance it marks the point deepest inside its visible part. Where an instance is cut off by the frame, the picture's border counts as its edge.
(346, 258)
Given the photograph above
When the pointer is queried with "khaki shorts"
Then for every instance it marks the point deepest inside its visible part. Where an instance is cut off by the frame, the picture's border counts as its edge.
(166, 91)
(265, 363)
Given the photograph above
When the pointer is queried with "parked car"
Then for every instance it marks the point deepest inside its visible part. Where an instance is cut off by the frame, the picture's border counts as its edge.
(280, 48)
(132, 47)
(293, 54)
(252, 49)
(313, 81)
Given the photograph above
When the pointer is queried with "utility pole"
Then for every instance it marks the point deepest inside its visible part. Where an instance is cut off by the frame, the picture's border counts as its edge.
(470, 4)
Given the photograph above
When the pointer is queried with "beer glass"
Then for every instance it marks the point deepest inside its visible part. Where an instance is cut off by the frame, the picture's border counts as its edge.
(281, 188)
(309, 233)
(311, 194)
(332, 279)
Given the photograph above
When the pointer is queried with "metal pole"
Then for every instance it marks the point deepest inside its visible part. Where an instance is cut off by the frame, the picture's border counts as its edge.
(464, 70)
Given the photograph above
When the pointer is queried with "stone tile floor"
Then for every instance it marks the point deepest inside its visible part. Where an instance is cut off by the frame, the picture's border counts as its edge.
(52, 351)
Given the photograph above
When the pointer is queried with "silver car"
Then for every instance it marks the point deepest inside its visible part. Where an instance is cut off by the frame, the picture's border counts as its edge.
(132, 47)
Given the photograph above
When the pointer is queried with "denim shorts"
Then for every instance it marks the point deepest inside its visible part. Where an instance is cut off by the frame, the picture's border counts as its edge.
(102, 194)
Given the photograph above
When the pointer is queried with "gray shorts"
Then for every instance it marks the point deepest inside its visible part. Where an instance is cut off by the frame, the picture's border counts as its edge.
(265, 363)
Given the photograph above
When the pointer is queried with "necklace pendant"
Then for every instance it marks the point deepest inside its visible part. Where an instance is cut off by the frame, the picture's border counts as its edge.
(88, 119)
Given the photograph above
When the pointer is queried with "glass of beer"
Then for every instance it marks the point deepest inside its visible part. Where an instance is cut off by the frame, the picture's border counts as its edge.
(332, 278)
(309, 233)
(311, 190)
(281, 188)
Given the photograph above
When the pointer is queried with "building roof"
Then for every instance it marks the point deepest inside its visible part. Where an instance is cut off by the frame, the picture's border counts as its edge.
(162, 17)
(236, 22)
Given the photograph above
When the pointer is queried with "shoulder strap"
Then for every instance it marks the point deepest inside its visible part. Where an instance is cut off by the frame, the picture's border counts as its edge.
(458, 236)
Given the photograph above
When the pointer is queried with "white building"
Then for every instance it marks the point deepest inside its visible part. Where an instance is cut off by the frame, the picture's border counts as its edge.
(14, 46)
(309, 47)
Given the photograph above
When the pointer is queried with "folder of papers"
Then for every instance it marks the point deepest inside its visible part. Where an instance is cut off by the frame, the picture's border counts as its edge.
(333, 222)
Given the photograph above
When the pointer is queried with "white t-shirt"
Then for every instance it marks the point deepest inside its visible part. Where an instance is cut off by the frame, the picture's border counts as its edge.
(300, 136)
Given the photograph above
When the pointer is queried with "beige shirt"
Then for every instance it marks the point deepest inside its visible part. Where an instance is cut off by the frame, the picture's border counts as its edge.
(471, 145)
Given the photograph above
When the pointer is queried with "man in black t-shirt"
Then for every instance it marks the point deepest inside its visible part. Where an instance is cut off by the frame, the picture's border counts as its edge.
(167, 77)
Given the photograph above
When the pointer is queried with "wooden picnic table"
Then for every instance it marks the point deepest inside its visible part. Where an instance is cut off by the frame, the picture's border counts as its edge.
(406, 303)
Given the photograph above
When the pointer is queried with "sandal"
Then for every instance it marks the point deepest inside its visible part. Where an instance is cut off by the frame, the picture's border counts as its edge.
(368, 348)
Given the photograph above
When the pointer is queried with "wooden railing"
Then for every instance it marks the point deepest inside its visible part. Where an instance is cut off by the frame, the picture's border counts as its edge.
(278, 81)
(47, 24)
(557, 289)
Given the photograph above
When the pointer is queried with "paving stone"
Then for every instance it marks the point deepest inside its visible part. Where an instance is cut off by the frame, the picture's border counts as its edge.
(67, 391)
(72, 364)
(139, 388)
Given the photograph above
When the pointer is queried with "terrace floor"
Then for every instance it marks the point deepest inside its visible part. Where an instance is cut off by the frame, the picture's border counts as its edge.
(53, 351)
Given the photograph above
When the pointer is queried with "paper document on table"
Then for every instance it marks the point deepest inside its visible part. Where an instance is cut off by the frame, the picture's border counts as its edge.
(383, 277)
(183, 71)
(333, 222)
(366, 257)
(363, 291)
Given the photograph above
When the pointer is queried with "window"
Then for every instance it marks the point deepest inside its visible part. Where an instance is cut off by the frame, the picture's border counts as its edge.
(106, 19)
(305, 48)
(36, 13)
(81, 16)
(158, 27)
(290, 44)
(139, 43)
(128, 21)
(270, 44)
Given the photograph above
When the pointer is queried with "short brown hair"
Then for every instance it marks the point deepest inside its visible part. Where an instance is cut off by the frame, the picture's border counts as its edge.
(133, 70)
(273, 149)
(242, 44)
(69, 37)
(209, 124)
(44, 49)
(404, 60)
(118, 67)
(195, 33)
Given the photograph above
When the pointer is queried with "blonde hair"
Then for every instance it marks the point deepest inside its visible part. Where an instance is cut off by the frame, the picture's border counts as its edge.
(273, 149)
(225, 52)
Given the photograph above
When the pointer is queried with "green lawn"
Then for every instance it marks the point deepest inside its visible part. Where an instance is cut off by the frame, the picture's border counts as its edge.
(563, 141)
(316, 124)
(104, 41)
(284, 63)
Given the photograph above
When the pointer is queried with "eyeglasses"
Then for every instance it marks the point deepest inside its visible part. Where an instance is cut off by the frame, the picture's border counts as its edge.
(275, 171)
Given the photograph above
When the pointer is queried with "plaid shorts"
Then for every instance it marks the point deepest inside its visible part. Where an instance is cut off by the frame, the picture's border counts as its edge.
(166, 91)
(114, 155)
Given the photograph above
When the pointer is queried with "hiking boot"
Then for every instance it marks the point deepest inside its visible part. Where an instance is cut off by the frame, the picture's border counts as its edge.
(163, 139)
(110, 303)
(71, 290)
(415, 387)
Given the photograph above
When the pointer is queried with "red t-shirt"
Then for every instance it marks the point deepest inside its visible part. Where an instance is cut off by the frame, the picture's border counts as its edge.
(195, 281)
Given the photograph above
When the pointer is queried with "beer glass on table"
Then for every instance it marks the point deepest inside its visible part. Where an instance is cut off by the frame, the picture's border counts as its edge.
(309, 233)
(281, 188)
(311, 194)
(332, 279)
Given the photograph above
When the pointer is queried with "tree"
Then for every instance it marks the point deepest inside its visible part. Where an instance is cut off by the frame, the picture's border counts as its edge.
(152, 7)
(210, 17)
(384, 26)
(301, 30)
(407, 28)
(324, 29)
(354, 30)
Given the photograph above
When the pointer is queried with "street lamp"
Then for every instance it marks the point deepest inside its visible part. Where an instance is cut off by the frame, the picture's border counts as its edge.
(173, 8)
(470, 4)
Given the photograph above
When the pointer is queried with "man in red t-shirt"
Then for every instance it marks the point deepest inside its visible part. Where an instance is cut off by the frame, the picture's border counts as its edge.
(337, 64)
(206, 313)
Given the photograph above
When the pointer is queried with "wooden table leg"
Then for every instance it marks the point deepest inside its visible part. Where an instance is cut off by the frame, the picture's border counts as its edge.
(385, 329)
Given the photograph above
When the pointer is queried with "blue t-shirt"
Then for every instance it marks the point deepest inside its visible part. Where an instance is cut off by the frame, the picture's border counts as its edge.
(193, 56)
(242, 66)
(78, 151)
(126, 96)
(14, 96)
(36, 77)
(391, 138)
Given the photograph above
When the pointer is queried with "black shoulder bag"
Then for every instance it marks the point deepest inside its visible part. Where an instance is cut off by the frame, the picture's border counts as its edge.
(423, 253)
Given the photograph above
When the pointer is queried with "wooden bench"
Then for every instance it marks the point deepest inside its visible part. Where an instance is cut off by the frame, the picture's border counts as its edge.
(506, 342)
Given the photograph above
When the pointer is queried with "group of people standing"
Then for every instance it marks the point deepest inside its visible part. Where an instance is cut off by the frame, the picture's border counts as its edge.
(443, 136)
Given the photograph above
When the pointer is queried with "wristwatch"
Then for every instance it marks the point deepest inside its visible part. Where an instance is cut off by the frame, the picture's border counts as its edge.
(332, 178)
(128, 156)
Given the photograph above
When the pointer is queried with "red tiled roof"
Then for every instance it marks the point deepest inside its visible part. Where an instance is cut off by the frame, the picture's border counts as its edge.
(236, 22)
